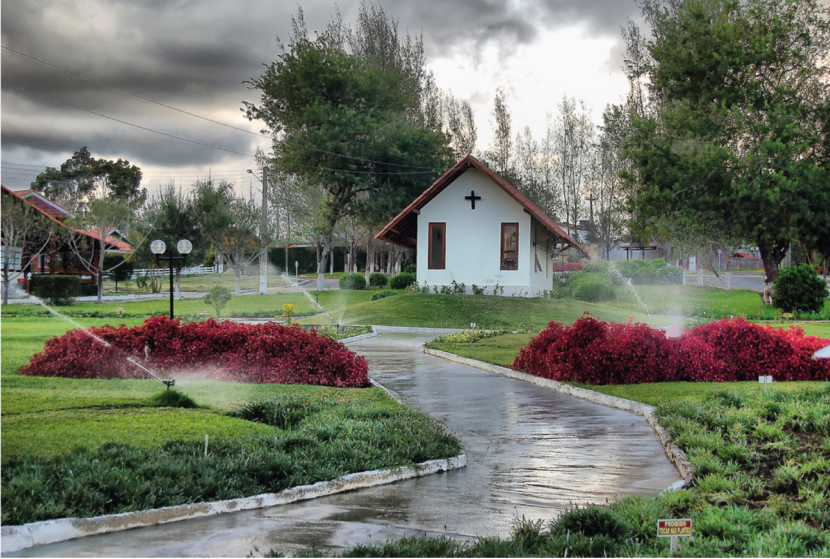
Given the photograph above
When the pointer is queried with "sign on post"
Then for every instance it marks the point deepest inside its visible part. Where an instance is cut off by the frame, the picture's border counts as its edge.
(674, 528)
(765, 380)
(119, 310)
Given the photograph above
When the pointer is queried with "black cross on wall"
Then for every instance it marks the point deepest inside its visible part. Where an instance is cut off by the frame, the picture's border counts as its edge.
(472, 198)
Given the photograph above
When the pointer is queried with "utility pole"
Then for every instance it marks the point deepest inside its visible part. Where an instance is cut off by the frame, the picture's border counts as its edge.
(263, 254)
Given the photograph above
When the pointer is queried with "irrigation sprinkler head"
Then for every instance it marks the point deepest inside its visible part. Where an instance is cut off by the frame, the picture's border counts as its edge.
(169, 383)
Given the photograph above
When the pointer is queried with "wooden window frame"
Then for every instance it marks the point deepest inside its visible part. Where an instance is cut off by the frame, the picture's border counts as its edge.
(502, 264)
(430, 253)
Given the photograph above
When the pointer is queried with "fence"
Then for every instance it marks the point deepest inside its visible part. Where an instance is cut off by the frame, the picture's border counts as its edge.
(192, 271)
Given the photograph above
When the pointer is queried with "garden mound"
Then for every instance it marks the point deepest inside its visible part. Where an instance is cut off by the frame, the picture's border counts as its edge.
(261, 353)
(598, 353)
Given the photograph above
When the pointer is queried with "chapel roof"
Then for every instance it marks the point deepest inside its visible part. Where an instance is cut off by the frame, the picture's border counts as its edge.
(403, 230)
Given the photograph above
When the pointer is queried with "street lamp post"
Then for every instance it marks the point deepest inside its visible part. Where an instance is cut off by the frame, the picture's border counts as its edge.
(263, 251)
(158, 248)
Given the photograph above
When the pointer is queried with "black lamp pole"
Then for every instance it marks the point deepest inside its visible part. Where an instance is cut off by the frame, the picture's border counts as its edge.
(158, 248)
(171, 259)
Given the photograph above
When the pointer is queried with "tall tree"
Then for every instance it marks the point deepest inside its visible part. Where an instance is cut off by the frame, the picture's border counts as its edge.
(741, 91)
(87, 235)
(345, 122)
(573, 152)
(500, 154)
(82, 178)
(26, 234)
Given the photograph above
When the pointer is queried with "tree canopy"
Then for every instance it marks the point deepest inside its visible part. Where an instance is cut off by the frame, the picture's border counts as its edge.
(82, 177)
(739, 127)
(351, 120)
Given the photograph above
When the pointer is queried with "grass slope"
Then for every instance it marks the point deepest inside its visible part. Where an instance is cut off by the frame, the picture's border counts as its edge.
(458, 311)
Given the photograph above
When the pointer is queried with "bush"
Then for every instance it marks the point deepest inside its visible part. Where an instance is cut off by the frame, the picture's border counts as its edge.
(378, 279)
(598, 353)
(260, 353)
(56, 289)
(799, 288)
(217, 298)
(382, 294)
(119, 269)
(410, 269)
(402, 281)
(354, 281)
(592, 287)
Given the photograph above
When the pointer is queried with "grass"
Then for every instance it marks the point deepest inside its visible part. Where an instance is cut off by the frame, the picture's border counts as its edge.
(263, 306)
(760, 460)
(458, 311)
(73, 447)
(702, 302)
(202, 283)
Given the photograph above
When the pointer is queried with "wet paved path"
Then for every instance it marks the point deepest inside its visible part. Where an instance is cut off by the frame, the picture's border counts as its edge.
(530, 452)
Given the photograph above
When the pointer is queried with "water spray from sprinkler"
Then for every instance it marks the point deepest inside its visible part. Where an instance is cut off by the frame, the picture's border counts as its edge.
(105, 343)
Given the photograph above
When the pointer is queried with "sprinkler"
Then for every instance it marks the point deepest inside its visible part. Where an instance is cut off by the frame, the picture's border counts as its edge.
(169, 383)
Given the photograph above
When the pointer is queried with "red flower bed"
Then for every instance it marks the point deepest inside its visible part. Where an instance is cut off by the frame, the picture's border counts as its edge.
(223, 351)
(595, 352)
(568, 267)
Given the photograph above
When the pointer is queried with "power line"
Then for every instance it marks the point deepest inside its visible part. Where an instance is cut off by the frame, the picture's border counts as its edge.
(24, 90)
(130, 93)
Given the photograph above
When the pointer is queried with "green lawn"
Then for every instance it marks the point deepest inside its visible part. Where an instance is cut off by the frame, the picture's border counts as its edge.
(701, 302)
(202, 283)
(73, 447)
(265, 306)
(458, 311)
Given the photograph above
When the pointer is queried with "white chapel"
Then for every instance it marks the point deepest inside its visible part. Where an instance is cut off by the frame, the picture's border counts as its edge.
(473, 227)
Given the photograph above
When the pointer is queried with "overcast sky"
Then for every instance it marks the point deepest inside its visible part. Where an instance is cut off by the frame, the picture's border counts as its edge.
(195, 54)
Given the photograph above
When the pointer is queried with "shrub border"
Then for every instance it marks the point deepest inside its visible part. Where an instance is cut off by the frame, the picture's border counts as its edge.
(677, 456)
(16, 538)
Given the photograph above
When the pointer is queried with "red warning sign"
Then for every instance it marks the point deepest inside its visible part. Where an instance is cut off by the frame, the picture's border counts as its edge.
(674, 527)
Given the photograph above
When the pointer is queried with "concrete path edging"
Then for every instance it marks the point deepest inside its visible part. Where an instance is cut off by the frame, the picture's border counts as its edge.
(16, 538)
(366, 336)
(677, 456)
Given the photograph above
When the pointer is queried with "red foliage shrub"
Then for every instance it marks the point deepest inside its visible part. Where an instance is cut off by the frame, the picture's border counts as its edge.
(568, 267)
(594, 352)
(224, 351)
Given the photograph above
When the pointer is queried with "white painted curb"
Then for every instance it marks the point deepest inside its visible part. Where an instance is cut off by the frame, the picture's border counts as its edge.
(15, 538)
(677, 456)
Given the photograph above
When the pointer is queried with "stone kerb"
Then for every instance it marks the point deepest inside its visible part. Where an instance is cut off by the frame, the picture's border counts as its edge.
(677, 456)
(15, 538)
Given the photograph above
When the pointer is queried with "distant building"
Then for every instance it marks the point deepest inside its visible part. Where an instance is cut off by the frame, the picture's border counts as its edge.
(58, 258)
(473, 227)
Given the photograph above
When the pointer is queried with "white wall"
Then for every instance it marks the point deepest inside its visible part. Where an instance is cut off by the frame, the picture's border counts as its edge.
(473, 238)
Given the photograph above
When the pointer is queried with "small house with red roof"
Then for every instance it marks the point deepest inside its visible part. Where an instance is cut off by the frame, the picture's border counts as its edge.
(59, 258)
(473, 227)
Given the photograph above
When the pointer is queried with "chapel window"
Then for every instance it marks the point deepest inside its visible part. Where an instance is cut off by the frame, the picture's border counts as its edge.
(437, 246)
(509, 246)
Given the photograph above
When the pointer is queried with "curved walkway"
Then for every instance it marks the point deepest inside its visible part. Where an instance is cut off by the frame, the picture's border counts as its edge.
(530, 451)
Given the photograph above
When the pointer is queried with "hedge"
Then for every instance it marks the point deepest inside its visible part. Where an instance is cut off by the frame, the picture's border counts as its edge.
(598, 353)
(259, 353)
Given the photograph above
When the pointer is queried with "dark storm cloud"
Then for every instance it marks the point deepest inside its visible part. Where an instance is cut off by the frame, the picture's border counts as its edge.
(196, 54)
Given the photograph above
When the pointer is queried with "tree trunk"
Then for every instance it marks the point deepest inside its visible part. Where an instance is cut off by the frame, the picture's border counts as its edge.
(370, 257)
(772, 257)
(7, 280)
(100, 272)
(238, 273)
(321, 264)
